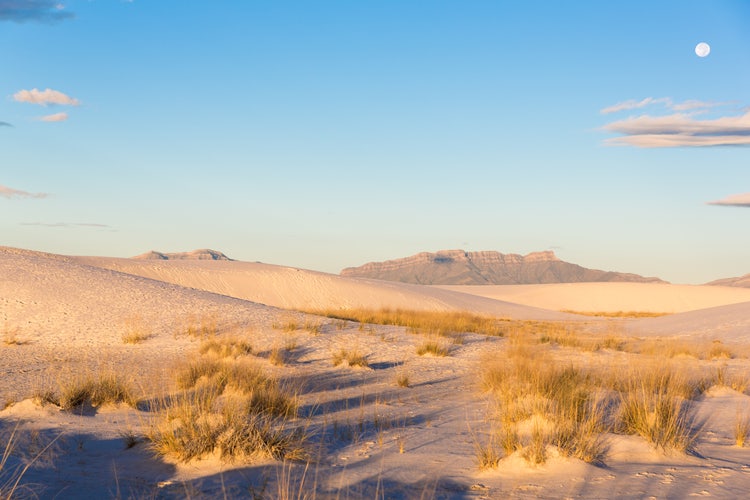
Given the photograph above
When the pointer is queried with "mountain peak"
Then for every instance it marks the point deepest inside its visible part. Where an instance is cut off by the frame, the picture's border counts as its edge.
(459, 267)
(200, 254)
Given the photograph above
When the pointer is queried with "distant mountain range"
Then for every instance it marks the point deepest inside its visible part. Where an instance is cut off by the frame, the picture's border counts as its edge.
(202, 254)
(458, 267)
(740, 281)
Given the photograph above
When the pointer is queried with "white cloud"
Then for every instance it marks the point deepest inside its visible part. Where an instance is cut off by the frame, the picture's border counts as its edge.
(633, 104)
(45, 97)
(7, 192)
(680, 129)
(57, 117)
(735, 200)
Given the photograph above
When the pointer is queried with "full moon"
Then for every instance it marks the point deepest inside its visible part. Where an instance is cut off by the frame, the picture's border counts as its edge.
(702, 49)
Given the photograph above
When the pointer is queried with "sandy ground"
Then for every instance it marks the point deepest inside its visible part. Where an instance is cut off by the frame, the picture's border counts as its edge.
(611, 297)
(70, 315)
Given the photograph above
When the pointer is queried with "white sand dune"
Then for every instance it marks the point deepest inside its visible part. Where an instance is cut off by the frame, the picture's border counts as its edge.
(730, 323)
(73, 311)
(612, 297)
(62, 300)
(291, 288)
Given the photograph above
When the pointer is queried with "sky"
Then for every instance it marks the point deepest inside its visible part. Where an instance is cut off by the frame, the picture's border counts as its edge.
(328, 134)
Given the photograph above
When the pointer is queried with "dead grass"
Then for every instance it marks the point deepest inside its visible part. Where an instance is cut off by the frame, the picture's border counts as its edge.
(11, 336)
(227, 406)
(426, 322)
(618, 314)
(226, 347)
(352, 358)
(88, 389)
(403, 379)
(136, 331)
(741, 428)
(433, 347)
(654, 406)
(540, 402)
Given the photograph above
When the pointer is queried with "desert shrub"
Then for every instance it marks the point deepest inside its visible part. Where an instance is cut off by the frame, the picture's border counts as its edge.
(94, 389)
(230, 407)
(427, 322)
(655, 409)
(230, 347)
(352, 358)
(432, 347)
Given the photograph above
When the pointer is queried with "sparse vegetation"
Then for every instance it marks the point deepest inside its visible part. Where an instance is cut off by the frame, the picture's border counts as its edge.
(226, 405)
(741, 428)
(618, 314)
(11, 336)
(136, 331)
(227, 347)
(428, 322)
(403, 379)
(351, 358)
(433, 347)
(95, 390)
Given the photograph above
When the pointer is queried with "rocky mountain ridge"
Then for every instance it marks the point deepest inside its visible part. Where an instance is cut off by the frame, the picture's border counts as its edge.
(201, 254)
(459, 267)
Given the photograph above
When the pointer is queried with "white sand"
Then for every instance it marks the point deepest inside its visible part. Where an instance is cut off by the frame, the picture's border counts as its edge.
(292, 288)
(612, 297)
(72, 315)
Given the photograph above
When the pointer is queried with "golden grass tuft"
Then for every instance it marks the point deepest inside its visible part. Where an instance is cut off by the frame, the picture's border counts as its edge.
(403, 379)
(88, 389)
(227, 406)
(426, 322)
(618, 314)
(350, 357)
(433, 347)
(741, 428)
(226, 347)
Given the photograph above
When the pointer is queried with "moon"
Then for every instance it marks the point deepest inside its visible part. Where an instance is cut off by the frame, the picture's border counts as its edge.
(702, 49)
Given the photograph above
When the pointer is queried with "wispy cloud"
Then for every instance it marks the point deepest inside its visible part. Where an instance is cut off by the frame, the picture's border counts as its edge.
(680, 127)
(735, 200)
(633, 104)
(45, 97)
(67, 224)
(7, 192)
(666, 102)
(57, 117)
(5, 124)
(21, 11)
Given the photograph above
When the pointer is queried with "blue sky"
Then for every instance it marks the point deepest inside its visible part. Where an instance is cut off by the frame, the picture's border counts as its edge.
(328, 134)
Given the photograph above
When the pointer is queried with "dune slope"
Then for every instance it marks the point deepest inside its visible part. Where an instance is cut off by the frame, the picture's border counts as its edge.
(292, 288)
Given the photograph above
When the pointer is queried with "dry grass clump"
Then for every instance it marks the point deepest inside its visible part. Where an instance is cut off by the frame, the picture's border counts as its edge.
(543, 403)
(351, 358)
(433, 347)
(618, 314)
(11, 336)
(136, 331)
(655, 405)
(278, 356)
(228, 347)
(741, 428)
(561, 404)
(202, 328)
(229, 407)
(403, 379)
(672, 348)
(94, 390)
(427, 322)
(313, 327)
